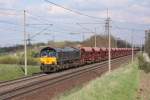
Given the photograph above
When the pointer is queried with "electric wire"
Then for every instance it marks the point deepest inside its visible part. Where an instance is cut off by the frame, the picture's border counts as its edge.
(7, 22)
(68, 9)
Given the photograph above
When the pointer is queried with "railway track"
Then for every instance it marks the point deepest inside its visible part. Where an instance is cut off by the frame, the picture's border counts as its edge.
(5, 83)
(19, 87)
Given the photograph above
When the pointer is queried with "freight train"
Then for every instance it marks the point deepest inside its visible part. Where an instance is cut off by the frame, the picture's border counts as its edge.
(55, 59)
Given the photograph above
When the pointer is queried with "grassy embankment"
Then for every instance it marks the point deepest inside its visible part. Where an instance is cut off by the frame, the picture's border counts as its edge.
(18, 59)
(10, 72)
(144, 87)
(11, 66)
(122, 84)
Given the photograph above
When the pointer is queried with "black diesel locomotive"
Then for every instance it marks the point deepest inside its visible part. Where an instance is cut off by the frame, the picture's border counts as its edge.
(53, 59)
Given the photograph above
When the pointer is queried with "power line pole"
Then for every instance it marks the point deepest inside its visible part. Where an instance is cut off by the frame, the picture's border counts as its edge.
(117, 39)
(53, 37)
(126, 43)
(95, 39)
(29, 40)
(116, 43)
(132, 46)
(25, 44)
(145, 40)
(83, 37)
(141, 46)
(107, 28)
(109, 60)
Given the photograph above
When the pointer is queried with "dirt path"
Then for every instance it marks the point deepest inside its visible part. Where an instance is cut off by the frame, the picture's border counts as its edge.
(144, 87)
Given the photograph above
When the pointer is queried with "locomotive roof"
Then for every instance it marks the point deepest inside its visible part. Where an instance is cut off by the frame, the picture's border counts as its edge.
(66, 49)
(69, 49)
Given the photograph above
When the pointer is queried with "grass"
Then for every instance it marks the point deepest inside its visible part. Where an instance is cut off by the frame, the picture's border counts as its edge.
(122, 84)
(12, 71)
(19, 59)
(143, 64)
(8, 59)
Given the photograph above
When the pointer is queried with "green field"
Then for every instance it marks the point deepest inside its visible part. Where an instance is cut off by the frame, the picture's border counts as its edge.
(121, 84)
(12, 71)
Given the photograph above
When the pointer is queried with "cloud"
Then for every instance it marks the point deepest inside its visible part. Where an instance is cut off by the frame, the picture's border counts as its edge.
(138, 9)
(119, 10)
(146, 20)
(8, 3)
(47, 10)
(97, 4)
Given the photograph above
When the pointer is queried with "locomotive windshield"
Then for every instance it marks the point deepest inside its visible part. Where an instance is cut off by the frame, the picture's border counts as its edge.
(48, 53)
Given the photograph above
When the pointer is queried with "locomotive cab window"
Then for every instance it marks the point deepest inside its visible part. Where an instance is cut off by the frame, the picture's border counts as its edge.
(48, 53)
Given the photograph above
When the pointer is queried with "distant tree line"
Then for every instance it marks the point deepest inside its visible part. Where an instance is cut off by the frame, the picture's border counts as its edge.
(123, 44)
(101, 41)
(18, 48)
(4, 50)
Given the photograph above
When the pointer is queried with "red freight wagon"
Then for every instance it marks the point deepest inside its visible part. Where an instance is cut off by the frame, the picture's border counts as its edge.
(120, 52)
(117, 52)
(113, 52)
(126, 51)
(104, 53)
(87, 55)
(97, 56)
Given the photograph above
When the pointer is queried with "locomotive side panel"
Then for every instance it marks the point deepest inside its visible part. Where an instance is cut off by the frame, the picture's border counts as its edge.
(53, 59)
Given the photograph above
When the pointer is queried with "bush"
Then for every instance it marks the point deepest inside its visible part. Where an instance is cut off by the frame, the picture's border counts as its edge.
(19, 59)
(8, 60)
(30, 61)
(143, 65)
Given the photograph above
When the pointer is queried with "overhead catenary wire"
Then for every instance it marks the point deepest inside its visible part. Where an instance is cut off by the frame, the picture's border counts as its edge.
(38, 24)
(41, 19)
(73, 11)
(6, 22)
(125, 28)
(132, 31)
(39, 32)
(34, 17)
(10, 9)
(131, 23)
(38, 18)
(90, 23)
(84, 27)
(8, 13)
(9, 29)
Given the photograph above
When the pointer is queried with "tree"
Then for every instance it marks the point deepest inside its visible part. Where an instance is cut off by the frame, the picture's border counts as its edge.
(147, 41)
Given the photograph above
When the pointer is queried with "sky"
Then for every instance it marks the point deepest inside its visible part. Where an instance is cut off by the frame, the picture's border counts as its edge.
(45, 22)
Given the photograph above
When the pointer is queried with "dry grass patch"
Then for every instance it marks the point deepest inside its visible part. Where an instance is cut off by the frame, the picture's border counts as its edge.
(122, 84)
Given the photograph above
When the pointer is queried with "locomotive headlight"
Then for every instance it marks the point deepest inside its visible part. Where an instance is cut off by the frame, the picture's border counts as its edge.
(48, 60)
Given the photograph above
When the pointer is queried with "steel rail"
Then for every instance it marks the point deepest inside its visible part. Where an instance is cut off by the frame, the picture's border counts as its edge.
(54, 80)
(5, 83)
